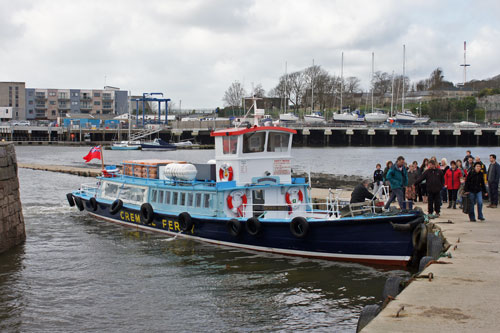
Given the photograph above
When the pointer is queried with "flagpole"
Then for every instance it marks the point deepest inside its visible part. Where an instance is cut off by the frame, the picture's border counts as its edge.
(102, 156)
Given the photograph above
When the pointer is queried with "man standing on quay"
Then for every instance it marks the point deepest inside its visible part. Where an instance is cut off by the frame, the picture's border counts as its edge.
(493, 178)
(434, 183)
(398, 178)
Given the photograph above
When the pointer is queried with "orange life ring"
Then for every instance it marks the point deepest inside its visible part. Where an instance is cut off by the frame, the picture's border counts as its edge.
(293, 203)
(235, 201)
(226, 172)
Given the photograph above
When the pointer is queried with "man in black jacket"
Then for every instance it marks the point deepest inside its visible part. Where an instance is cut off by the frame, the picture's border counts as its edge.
(493, 178)
(474, 186)
(434, 182)
(361, 192)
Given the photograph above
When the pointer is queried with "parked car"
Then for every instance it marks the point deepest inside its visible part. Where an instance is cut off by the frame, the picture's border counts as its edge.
(20, 123)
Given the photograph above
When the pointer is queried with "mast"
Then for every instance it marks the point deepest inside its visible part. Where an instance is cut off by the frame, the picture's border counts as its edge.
(403, 96)
(465, 64)
(129, 117)
(373, 64)
(341, 79)
(286, 77)
(312, 88)
(392, 93)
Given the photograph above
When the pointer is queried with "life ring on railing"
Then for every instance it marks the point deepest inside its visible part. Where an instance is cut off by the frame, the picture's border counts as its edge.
(293, 197)
(236, 202)
(226, 172)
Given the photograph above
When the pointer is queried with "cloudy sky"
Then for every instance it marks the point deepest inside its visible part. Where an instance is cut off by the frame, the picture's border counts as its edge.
(192, 50)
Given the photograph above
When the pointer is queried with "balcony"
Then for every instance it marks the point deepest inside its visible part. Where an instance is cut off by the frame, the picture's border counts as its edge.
(85, 97)
(85, 107)
(107, 97)
(40, 96)
(40, 106)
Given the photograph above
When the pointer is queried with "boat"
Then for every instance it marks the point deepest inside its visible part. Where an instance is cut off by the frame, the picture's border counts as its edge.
(408, 117)
(377, 116)
(158, 144)
(288, 117)
(466, 124)
(183, 144)
(126, 145)
(314, 118)
(129, 144)
(247, 198)
(349, 116)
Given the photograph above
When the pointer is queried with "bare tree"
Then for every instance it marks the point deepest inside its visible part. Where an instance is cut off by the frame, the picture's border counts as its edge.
(258, 91)
(234, 95)
(381, 83)
(297, 85)
(436, 79)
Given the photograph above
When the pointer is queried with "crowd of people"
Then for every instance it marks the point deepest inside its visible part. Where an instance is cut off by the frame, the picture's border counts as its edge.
(458, 182)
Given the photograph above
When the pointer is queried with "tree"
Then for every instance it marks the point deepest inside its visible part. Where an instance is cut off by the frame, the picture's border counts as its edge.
(234, 95)
(436, 79)
(382, 82)
(297, 85)
(258, 91)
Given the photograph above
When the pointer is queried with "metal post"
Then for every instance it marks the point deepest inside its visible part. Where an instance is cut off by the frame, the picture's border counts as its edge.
(136, 113)
(159, 112)
(166, 111)
(143, 111)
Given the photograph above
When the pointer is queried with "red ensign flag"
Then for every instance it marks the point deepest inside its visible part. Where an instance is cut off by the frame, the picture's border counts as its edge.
(95, 152)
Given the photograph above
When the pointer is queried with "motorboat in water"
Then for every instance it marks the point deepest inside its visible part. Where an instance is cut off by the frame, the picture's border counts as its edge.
(126, 145)
(248, 199)
(158, 144)
(314, 118)
(377, 116)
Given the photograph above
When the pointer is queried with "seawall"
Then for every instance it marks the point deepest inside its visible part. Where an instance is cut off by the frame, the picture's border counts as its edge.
(12, 231)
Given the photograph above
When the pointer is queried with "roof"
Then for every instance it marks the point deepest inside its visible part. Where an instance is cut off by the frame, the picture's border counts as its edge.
(239, 131)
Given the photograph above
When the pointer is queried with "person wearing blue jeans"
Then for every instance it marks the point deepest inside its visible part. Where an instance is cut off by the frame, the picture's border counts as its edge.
(398, 178)
(493, 178)
(474, 188)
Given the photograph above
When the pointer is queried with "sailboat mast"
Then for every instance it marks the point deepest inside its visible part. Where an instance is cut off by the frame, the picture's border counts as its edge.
(392, 93)
(341, 79)
(129, 115)
(373, 65)
(312, 88)
(404, 73)
(286, 77)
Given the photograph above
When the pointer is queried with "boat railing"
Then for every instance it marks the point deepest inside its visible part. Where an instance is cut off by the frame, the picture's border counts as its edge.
(89, 189)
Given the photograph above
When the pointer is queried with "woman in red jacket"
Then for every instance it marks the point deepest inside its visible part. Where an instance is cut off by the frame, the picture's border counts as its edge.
(452, 183)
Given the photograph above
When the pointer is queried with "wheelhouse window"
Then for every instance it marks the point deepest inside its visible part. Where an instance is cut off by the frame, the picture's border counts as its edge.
(206, 200)
(160, 196)
(229, 144)
(127, 193)
(183, 199)
(278, 142)
(154, 195)
(254, 142)
(174, 198)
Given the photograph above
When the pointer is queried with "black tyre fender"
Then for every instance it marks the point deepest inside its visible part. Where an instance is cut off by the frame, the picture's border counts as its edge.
(185, 222)
(147, 213)
(424, 262)
(93, 203)
(393, 286)
(79, 203)
(299, 227)
(253, 226)
(367, 314)
(116, 206)
(419, 237)
(71, 201)
(234, 227)
(434, 246)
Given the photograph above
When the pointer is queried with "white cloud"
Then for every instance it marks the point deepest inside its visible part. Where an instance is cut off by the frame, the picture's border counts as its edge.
(193, 50)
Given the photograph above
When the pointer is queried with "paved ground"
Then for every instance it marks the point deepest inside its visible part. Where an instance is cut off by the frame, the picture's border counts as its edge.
(86, 172)
(464, 295)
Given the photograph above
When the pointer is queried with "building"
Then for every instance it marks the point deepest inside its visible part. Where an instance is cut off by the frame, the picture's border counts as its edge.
(491, 104)
(52, 103)
(12, 101)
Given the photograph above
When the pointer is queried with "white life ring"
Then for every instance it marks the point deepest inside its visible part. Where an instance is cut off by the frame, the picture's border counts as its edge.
(294, 198)
(236, 202)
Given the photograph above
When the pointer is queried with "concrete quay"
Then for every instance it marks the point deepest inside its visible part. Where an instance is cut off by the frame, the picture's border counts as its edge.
(85, 172)
(464, 295)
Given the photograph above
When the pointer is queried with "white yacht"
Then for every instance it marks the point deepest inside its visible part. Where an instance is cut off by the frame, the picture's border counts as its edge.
(314, 118)
(377, 116)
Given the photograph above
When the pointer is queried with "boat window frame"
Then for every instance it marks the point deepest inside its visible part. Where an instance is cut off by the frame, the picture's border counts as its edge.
(167, 197)
(190, 195)
(246, 138)
(175, 198)
(122, 188)
(285, 145)
(231, 139)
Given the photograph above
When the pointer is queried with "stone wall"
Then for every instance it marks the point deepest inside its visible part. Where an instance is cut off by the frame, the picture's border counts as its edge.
(12, 230)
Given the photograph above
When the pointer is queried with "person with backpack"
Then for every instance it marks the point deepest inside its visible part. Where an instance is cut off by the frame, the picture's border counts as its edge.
(434, 183)
(398, 178)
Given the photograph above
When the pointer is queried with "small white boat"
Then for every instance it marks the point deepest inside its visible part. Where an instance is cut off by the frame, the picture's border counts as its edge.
(126, 145)
(288, 117)
(408, 117)
(377, 116)
(466, 124)
(183, 144)
(314, 118)
(349, 117)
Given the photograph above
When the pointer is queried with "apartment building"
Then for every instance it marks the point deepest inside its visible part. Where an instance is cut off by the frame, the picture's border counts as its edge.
(12, 101)
(52, 103)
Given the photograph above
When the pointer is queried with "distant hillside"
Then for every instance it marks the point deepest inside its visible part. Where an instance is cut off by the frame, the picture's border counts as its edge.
(492, 83)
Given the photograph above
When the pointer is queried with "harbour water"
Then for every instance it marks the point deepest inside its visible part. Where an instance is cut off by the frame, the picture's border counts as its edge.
(78, 273)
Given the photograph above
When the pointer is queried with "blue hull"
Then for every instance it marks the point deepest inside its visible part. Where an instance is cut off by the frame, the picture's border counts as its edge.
(361, 239)
(125, 148)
